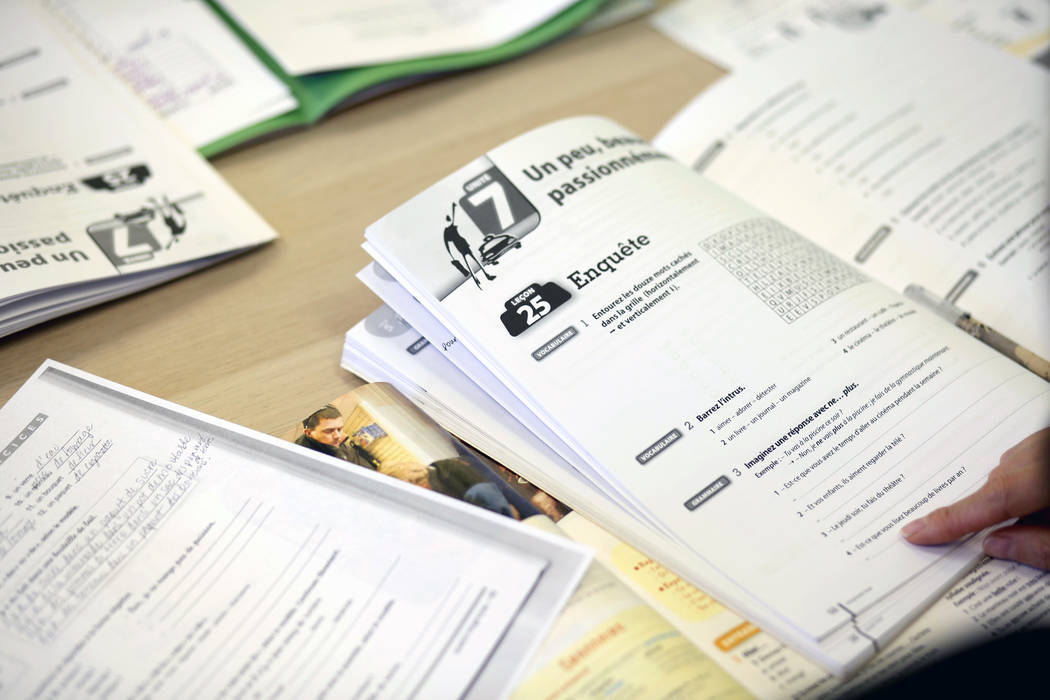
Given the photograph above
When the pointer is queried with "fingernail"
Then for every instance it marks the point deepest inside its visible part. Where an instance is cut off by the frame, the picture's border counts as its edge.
(997, 546)
(913, 528)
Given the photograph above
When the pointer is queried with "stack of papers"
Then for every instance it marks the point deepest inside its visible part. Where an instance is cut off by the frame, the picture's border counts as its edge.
(982, 606)
(98, 198)
(759, 409)
(224, 73)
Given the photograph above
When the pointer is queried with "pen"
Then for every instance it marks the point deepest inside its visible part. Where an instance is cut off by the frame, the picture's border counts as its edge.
(989, 336)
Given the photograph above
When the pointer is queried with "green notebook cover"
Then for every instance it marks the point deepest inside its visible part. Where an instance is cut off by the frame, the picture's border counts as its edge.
(319, 93)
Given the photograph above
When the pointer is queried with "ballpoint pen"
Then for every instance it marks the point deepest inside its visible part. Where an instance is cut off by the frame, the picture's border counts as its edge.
(987, 335)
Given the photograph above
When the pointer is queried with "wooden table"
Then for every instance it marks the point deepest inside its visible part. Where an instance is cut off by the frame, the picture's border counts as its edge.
(257, 340)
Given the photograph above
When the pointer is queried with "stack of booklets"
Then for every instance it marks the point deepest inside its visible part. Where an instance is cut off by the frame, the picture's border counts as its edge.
(704, 347)
(98, 197)
(226, 72)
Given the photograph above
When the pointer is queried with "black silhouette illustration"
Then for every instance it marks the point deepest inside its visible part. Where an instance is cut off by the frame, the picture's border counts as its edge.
(130, 237)
(454, 238)
(119, 179)
(173, 217)
(495, 245)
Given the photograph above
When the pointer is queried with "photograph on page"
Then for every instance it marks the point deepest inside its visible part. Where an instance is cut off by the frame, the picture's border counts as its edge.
(375, 427)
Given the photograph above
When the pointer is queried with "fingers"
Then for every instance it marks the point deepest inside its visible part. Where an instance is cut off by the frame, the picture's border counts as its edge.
(1028, 544)
(1011, 491)
(1018, 486)
(1034, 448)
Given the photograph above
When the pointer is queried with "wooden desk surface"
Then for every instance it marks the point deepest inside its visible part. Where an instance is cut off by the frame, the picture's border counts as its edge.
(257, 340)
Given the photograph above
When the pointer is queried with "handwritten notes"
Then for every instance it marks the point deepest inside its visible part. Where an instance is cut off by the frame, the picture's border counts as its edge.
(85, 543)
(181, 59)
(147, 552)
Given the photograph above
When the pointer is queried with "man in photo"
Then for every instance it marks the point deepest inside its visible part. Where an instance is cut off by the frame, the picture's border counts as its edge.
(323, 432)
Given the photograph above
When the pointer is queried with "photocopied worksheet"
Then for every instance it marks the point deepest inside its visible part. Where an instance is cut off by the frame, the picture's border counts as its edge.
(149, 550)
(181, 59)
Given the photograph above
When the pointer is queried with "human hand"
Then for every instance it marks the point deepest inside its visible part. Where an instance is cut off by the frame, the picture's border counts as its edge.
(1018, 487)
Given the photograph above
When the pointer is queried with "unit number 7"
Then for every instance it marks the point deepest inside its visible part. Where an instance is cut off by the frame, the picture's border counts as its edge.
(495, 193)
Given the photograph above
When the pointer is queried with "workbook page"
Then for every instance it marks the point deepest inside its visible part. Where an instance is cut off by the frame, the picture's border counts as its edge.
(92, 184)
(916, 155)
(780, 412)
(145, 552)
(181, 59)
(996, 598)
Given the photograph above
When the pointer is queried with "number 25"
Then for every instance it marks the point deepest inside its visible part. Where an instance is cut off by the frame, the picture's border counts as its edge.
(541, 307)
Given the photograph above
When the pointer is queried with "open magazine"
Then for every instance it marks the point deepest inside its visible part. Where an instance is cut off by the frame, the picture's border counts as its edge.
(151, 550)
(98, 198)
(995, 599)
(771, 409)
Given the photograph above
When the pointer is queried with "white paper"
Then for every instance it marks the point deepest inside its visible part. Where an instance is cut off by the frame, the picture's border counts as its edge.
(985, 603)
(93, 187)
(182, 60)
(658, 338)
(390, 291)
(329, 34)
(919, 156)
(148, 549)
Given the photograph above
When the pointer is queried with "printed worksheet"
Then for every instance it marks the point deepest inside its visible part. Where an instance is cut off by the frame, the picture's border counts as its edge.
(182, 60)
(147, 549)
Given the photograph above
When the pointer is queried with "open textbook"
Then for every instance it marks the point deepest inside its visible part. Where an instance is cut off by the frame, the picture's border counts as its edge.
(151, 550)
(224, 73)
(997, 598)
(98, 198)
(774, 410)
